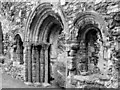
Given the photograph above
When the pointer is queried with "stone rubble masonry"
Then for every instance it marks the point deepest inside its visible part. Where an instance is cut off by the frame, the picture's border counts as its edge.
(107, 9)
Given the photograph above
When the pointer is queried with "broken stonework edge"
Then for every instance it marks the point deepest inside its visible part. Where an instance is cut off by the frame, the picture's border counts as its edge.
(29, 83)
(37, 84)
(46, 84)
(81, 78)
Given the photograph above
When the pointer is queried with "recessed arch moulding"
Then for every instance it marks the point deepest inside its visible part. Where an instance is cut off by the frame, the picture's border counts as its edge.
(91, 17)
(36, 19)
(90, 39)
(43, 29)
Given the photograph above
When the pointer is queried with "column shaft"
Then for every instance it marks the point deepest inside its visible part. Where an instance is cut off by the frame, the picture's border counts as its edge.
(46, 46)
(46, 66)
(29, 64)
(33, 64)
(37, 65)
(26, 63)
(42, 65)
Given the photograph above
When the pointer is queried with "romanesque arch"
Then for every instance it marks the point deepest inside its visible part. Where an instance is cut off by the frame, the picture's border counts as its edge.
(42, 31)
(92, 31)
(18, 49)
(1, 40)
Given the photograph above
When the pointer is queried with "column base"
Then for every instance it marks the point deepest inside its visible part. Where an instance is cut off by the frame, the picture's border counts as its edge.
(37, 84)
(29, 83)
(46, 84)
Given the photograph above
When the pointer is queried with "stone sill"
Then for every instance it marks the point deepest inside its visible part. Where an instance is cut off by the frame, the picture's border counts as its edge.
(91, 78)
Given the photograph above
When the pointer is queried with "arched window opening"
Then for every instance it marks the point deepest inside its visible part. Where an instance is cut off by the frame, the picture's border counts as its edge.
(18, 50)
(87, 55)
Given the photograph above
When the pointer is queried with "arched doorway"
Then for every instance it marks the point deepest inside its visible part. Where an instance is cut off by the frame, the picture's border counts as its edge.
(1, 40)
(42, 34)
(18, 49)
(53, 38)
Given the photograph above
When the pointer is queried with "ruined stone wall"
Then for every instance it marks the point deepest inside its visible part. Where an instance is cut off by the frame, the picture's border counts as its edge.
(15, 20)
(109, 10)
(13, 16)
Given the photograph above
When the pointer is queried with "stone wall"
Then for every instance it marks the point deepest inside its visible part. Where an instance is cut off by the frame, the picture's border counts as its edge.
(110, 13)
(16, 17)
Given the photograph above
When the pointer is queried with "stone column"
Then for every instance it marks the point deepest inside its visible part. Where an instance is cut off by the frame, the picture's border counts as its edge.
(33, 64)
(37, 65)
(28, 63)
(46, 46)
(42, 64)
(25, 51)
(46, 63)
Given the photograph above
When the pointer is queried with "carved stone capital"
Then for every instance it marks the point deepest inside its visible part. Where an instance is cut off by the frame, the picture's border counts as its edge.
(45, 46)
(27, 44)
